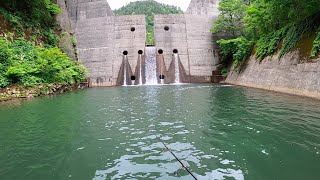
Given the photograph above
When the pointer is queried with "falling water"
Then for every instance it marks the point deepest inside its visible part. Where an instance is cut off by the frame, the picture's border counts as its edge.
(150, 65)
(140, 68)
(176, 69)
(125, 60)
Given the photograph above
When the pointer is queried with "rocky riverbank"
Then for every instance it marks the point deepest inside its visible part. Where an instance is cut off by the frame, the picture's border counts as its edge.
(21, 92)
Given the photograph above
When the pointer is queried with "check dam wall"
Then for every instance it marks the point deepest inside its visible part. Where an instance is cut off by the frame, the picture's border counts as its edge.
(114, 50)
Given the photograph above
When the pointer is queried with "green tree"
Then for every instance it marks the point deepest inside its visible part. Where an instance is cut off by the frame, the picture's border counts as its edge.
(271, 25)
(236, 49)
(281, 24)
(257, 19)
(230, 20)
(36, 12)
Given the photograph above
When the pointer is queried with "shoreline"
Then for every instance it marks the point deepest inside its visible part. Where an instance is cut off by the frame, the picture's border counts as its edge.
(16, 92)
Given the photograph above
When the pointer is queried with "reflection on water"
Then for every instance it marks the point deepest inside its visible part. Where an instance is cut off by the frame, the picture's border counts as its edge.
(161, 112)
(219, 132)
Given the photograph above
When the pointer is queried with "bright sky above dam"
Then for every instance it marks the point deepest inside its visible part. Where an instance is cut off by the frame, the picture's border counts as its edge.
(183, 4)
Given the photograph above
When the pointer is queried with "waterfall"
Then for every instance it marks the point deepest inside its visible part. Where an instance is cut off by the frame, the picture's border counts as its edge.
(140, 69)
(125, 60)
(176, 69)
(150, 65)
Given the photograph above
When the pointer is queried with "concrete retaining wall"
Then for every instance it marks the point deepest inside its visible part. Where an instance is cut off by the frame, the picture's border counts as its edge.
(286, 75)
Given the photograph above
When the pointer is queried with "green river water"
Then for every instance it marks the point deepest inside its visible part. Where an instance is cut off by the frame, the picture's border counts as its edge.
(219, 132)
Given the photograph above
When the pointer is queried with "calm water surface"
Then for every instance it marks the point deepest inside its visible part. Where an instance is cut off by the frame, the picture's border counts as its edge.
(220, 132)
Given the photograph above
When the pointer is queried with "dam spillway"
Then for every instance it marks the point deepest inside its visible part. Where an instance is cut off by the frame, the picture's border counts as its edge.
(176, 68)
(102, 37)
(151, 65)
(125, 70)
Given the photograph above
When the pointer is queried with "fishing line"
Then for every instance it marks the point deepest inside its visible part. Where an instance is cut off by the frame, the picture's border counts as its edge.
(182, 165)
(171, 152)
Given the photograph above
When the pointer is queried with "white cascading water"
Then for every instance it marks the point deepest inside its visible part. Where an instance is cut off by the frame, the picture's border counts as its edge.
(140, 64)
(125, 70)
(151, 66)
(176, 69)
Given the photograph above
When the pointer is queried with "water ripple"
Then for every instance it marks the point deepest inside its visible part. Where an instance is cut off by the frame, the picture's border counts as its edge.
(219, 132)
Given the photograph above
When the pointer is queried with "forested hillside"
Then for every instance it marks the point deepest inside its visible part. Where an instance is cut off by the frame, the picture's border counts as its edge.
(149, 8)
(267, 27)
(29, 53)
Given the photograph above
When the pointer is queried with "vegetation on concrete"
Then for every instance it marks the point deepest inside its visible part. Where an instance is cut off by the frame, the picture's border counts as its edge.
(29, 55)
(268, 44)
(272, 26)
(148, 8)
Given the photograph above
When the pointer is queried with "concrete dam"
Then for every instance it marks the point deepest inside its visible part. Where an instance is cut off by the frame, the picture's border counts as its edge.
(114, 50)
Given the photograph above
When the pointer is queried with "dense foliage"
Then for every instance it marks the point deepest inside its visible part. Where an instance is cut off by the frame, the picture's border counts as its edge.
(230, 17)
(36, 18)
(316, 45)
(269, 43)
(33, 12)
(238, 49)
(271, 24)
(23, 63)
(149, 8)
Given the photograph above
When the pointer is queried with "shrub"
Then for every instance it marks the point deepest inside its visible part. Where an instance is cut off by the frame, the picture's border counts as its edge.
(236, 49)
(316, 45)
(224, 72)
(56, 66)
(73, 41)
(23, 63)
(52, 38)
(268, 44)
(288, 37)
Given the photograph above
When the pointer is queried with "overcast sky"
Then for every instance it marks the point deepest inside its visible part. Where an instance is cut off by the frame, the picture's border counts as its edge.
(183, 4)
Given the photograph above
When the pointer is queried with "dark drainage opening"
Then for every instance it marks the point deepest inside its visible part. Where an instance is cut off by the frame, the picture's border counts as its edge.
(161, 76)
(125, 52)
(175, 51)
(140, 52)
(166, 28)
(133, 78)
(160, 51)
(133, 29)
